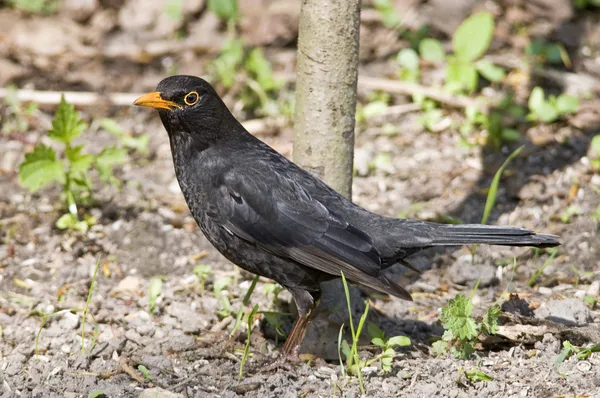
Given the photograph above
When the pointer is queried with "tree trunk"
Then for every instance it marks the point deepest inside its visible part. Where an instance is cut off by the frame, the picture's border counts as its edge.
(327, 70)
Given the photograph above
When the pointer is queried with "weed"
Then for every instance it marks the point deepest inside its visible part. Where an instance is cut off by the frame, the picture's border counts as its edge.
(387, 345)
(351, 353)
(461, 330)
(35, 6)
(385, 8)
(202, 272)
(17, 117)
(42, 167)
(145, 372)
(250, 321)
(543, 51)
(219, 286)
(154, 291)
(97, 394)
(536, 275)
(272, 289)
(226, 10)
(472, 375)
(567, 215)
(549, 110)
(87, 305)
(138, 143)
(570, 350)
(469, 42)
(245, 303)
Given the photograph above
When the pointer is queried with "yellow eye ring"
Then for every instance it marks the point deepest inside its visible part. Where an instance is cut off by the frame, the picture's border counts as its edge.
(191, 98)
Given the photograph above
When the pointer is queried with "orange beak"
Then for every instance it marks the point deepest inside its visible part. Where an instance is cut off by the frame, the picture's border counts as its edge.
(154, 100)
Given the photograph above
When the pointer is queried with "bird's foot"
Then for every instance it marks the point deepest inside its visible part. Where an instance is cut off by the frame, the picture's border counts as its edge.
(285, 362)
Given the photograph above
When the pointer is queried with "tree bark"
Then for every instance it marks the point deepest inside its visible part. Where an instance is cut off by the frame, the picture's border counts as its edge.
(327, 71)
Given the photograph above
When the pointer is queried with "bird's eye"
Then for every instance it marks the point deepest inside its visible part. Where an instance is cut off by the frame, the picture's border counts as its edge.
(191, 98)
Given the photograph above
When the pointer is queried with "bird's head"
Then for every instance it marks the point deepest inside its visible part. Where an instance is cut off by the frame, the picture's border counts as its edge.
(187, 104)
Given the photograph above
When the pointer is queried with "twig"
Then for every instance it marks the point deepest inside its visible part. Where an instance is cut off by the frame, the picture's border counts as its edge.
(407, 88)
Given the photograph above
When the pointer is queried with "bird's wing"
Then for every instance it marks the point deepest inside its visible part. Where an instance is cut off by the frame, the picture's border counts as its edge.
(277, 214)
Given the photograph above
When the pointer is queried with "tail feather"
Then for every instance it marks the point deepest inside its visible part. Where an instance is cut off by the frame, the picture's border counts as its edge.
(468, 234)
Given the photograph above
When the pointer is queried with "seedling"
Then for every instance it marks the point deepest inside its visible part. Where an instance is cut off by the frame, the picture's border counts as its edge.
(42, 167)
(353, 363)
(16, 116)
(469, 42)
(408, 59)
(570, 350)
(97, 394)
(567, 215)
(154, 291)
(538, 273)
(245, 303)
(272, 289)
(219, 286)
(431, 50)
(462, 331)
(549, 110)
(126, 139)
(473, 376)
(543, 51)
(386, 10)
(247, 347)
(35, 6)
(387, 345)
(202, 272)
(226, 10)
(145, 372)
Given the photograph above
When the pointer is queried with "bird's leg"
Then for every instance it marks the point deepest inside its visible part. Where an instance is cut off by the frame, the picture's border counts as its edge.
(306, 303)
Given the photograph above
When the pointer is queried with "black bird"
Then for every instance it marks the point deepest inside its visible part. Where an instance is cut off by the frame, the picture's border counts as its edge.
(275, 219)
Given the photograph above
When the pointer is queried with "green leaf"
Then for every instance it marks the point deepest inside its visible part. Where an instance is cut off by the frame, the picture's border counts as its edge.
(464, 73)
(401, 341)
(40, 168)
(97, 394)
(226, 10)
(408, 59)
(547, 113)
(431, 50)
(378, 341)
(476, 375)
(174, 9)
(456, 316)
(536, 99)
(260, 67)
(375, 331)
(79, 162)
(71, 221)
(567, 103)
(493, 191)
(66, 125)
(145, 372)
(154, 291)
(385, 8)
(511, 135)
(489, 324)
(490, 71)
(440, 347)
(473, 37)
(226, 64)
(109, 157)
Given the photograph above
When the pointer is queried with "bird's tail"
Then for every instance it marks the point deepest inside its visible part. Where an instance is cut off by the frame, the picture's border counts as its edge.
(468, 234)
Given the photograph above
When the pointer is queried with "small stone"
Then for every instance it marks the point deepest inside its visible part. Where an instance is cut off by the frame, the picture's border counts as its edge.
(129, 284)
(69, 321)
(570, 312)
(546, 291)
(580, 294)
(157, 392)
(463, 272)
(594, 289)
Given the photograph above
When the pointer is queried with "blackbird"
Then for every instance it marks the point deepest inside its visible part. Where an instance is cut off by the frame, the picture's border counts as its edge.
(275, 219)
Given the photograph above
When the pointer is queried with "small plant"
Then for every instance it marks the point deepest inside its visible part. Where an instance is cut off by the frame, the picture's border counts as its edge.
(219, 286)
(145, 372)
(154, 291)
(544, 51)
(408, 59)
(549, 110)
(462, 331)
(469, 42)
(567, 215)
(250, 321)
(431, 50)
(387, 345)
(17, 116)
(272, 289)
(202, 272)
(226, 10)
(473, 376)
(386, 10)
(138, 143)
(569, 350)
(42, 166)
(538, 273)
(35, 6)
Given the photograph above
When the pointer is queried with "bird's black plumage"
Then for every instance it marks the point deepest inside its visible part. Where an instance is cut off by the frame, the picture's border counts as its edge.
(272, 218)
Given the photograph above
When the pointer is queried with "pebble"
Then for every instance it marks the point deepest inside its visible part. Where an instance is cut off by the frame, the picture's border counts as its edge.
(69, 321)
(546, 291)
(463, 272)
(570, 312)
(594, 289)
(129, 284)
(157, 392)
